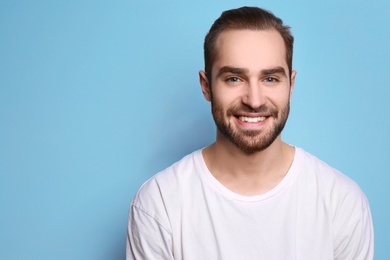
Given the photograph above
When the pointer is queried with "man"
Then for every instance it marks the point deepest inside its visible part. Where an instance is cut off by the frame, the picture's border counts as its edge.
(249, 195)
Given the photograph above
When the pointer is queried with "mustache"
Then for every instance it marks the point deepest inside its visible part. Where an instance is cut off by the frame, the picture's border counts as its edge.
(263, 109)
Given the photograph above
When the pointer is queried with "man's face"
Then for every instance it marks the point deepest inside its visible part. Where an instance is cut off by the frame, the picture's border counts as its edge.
(250, 88)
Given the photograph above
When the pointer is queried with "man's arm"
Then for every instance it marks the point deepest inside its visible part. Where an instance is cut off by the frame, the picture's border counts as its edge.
(354, 234)
(146, 237)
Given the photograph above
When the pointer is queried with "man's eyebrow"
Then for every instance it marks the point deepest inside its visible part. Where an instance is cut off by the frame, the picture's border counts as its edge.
(276, 70)
(240, 71)
(232, 70)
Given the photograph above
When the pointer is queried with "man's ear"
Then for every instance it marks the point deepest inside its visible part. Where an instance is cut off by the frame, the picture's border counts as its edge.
(292, 81)
(204, 84)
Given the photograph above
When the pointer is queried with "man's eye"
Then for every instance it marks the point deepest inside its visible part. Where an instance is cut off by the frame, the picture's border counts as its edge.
(270, 79)
(233, 79)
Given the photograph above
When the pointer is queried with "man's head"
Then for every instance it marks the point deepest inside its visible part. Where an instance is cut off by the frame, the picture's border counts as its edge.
(249, 79)
(252, 18)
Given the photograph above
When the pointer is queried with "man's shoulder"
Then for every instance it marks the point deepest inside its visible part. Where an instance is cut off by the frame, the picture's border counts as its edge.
(328, 178)
(180, 170)
(169, 182)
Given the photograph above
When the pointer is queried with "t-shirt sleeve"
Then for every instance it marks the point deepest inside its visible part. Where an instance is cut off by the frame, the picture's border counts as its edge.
(354, 238)
(146, 237)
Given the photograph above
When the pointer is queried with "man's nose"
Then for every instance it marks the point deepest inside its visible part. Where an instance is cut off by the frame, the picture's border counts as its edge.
(254, 95)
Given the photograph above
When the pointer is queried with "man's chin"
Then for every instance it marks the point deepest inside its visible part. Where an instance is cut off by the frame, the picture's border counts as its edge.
(251, 144)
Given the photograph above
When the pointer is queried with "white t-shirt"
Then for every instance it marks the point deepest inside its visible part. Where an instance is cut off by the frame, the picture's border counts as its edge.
(314, 213)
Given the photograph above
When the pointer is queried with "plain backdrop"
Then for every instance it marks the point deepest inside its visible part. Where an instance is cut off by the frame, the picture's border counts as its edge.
(98, 96)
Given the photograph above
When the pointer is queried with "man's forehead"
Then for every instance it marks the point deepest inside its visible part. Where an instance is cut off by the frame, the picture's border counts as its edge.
(244, 46)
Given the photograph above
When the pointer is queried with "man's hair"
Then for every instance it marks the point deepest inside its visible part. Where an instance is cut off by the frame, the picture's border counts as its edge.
(252, 18)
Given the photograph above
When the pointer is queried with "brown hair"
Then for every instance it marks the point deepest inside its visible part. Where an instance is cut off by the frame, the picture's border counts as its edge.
(252, 18)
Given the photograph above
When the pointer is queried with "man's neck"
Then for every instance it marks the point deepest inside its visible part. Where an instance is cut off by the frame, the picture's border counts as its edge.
(248, 174)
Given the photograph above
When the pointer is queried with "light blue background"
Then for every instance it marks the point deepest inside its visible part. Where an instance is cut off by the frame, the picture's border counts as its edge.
(97, 96)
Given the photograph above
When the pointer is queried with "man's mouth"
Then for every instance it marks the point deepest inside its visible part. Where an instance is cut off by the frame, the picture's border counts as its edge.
(252, 119)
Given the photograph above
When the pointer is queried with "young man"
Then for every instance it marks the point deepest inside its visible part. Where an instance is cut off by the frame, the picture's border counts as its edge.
(249, 195)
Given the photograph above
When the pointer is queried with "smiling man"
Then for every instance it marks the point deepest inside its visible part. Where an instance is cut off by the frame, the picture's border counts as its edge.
(249, 195)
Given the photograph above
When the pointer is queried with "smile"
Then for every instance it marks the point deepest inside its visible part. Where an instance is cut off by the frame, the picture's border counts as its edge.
(252, 119)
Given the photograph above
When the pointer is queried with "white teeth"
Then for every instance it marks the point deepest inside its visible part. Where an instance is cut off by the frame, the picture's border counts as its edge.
(251, 119)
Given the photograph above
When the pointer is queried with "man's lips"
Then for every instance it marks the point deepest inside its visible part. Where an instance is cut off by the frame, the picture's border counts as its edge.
(250, 116)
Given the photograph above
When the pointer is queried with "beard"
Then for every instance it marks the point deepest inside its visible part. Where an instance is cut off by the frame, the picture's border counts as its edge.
(249, 141)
